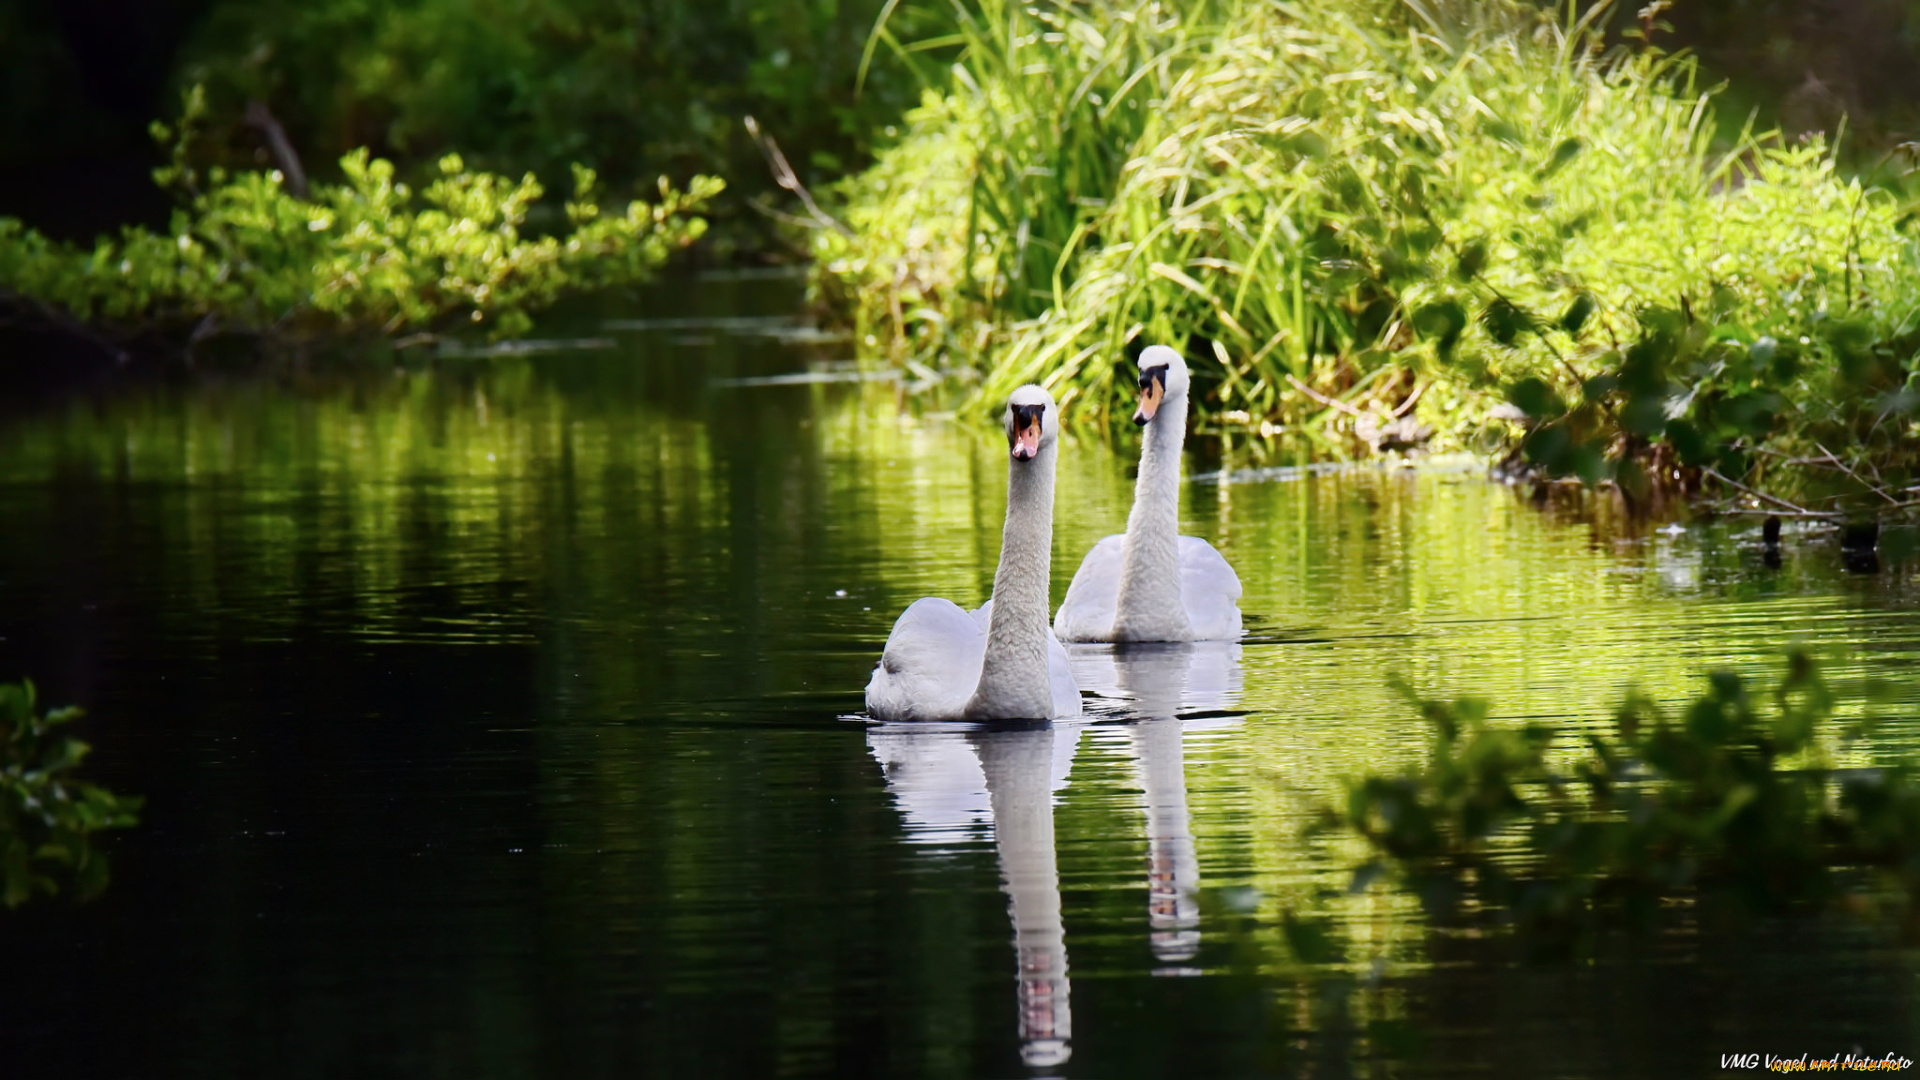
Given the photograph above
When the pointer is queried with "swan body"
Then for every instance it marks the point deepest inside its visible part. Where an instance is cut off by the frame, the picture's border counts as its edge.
(1002, 661)
(1150, 583)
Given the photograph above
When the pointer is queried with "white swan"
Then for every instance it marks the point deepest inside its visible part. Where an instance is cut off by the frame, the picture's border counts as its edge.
(1001, 662)
(1151, 583)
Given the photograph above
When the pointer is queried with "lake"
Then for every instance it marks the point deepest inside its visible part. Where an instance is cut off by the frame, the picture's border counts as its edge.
(499, 716)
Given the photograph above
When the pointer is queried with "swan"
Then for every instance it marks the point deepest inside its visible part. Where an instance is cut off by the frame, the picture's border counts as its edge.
(1151, 583)
(1001, 662)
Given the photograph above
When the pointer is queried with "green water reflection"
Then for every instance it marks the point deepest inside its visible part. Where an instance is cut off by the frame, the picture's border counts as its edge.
(493, 719)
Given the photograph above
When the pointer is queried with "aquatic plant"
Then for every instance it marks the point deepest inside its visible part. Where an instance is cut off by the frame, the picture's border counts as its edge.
(1733, 800)
(369, 255)
(1365, 221)
(47, 818)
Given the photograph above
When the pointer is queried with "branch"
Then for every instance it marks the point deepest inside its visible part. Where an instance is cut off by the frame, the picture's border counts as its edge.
(61, 321)
(1322, 398)
(784, 176)
(259, 116)
(1857, 478)
(1794, 510)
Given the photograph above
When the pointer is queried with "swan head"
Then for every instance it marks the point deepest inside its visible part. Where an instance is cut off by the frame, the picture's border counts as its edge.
(1162, 375)
(1032, 422)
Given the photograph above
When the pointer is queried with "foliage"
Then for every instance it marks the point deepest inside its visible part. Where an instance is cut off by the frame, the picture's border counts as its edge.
(47, 818)
(633, 88)
(1731, 799)
(1826, 418)
(1348, 213)
(362, 255)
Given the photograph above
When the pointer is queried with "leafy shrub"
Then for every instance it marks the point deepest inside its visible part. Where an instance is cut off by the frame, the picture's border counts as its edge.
(47, 818)
(1732, 799)
(359, 256)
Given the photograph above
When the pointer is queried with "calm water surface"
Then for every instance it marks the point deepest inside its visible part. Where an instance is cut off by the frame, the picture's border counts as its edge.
(500, 719)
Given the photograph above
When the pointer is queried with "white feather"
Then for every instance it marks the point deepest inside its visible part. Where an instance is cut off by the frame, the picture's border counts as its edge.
(931, 663)
(1209, 590)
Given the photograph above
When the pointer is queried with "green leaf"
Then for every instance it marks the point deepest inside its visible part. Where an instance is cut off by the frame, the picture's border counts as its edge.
(1578, 312)
(1443, 323)
(1534, 397)
(1567, 150)
(1501, 130)
(1505, 322)
(1472, 260)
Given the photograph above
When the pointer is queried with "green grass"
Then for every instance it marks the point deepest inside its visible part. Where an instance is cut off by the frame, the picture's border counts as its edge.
(1344, 212)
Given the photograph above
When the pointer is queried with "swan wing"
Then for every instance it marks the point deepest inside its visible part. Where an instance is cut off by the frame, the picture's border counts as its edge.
(930, 665)
(1087, 612)
(1210, 589)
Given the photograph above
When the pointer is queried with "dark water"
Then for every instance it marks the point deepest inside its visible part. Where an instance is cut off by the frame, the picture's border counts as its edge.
(493, 721)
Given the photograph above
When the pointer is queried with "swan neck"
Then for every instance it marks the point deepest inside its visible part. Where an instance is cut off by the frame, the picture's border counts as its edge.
(1149, 606)
(1013, 675)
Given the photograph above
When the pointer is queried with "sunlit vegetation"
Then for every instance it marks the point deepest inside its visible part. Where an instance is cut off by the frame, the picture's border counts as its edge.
(370, 255)
(1734, 800)
(1375, 222)
(47, 818)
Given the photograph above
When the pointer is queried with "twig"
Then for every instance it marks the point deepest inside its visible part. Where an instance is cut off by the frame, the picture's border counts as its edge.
(1796, 511)
(784, 176)
(1814, 515)
(261, 117)
(1412, 400)
(62, 322)
(759, 205)
(1843, 467)
(1322, 398)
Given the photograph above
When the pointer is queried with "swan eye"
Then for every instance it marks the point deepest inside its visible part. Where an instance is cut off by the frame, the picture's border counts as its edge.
(1149, 376)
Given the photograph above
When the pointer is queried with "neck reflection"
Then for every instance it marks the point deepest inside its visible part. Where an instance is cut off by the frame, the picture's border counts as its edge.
(948, 784)
(1165, 686)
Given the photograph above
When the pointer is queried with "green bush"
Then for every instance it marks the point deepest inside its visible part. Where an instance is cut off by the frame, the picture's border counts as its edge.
(368, 255)
(1346, 212)
(1733, 800)
(47, 818)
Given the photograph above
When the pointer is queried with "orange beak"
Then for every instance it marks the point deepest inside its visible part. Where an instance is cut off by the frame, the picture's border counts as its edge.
(1023, 431)
(1153, 387)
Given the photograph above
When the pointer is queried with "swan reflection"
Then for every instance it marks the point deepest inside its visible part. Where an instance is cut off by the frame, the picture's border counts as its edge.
(952, 785)
(1161, 684)
(957, 784)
